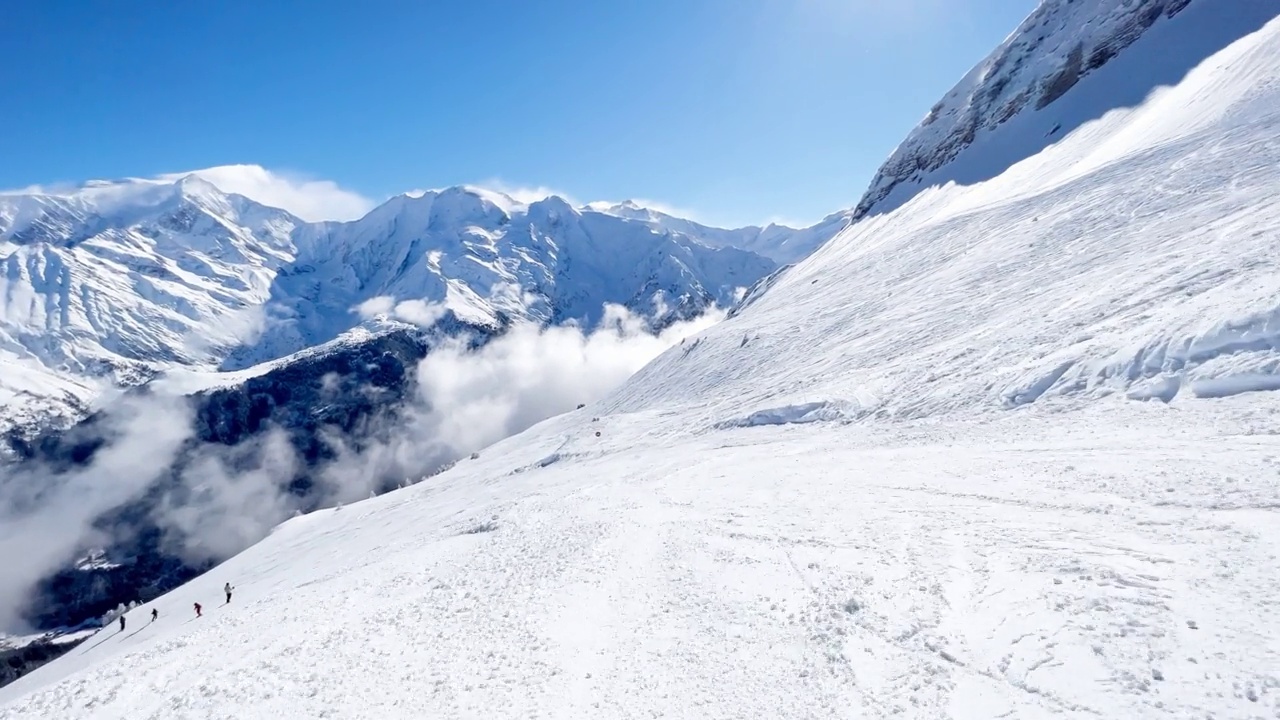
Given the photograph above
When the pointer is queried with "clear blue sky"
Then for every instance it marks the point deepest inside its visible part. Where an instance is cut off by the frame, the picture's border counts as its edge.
(740, 110)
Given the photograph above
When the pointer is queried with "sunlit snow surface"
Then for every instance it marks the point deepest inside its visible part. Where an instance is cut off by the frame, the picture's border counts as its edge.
(907, 481)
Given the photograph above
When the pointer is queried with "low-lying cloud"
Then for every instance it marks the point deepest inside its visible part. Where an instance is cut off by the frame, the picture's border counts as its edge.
(415, 312)
(46, 516)
(223, 499)
(476, 398)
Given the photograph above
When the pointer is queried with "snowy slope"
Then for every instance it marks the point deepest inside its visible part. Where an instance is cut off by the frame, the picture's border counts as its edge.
(1135, 257)
(1038, 85)
(1022, 572)
(1004, 533)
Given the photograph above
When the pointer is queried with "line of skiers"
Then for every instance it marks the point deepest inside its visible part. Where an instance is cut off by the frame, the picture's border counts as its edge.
(155, 613)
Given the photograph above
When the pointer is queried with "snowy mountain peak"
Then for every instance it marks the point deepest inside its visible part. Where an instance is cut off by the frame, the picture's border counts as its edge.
(552, 207)
(461, 204)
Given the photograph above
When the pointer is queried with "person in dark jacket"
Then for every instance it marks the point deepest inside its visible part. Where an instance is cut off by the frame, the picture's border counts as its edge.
(121, 623)
(155, 614)
(198, 610)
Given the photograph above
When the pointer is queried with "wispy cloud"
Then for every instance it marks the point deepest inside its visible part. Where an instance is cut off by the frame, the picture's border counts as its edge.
(472, 398)
(532, 193)
(309, 199)
(525, 193)
(46, 516)
(415, 312)
(224, 498)
(667, 209)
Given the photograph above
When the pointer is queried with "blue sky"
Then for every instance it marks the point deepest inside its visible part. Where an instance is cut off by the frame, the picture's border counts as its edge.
(738, 111)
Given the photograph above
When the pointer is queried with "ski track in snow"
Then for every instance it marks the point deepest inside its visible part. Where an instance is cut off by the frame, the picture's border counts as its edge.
(822, 574)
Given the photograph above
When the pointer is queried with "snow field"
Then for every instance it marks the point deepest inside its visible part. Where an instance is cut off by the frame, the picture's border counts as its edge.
(1025, 571)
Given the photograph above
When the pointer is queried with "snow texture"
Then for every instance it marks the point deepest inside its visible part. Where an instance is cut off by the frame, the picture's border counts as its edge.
(995, 529)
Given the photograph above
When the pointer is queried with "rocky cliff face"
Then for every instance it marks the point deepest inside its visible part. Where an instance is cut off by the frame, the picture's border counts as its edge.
(1060, 44)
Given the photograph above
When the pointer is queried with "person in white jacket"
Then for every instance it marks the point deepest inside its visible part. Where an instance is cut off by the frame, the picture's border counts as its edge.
(227, 589)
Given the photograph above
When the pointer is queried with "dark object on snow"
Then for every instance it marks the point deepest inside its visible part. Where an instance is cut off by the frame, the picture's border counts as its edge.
(581, 405)
(227, 589)
(198, 610)
(597, 433)
(121, 623)
(155, 614)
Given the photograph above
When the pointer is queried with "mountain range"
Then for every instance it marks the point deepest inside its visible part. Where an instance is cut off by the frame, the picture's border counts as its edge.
(995, 442)
(112, 282)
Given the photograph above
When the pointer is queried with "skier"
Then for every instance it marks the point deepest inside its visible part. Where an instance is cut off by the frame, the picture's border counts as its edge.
(227, 589)
(155, 614)
(121, 623)
(198, 610)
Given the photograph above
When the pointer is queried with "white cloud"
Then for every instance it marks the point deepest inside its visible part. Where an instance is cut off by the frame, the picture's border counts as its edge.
(667, 209)
(420, 312)
(415, 312)
(526, 193)
(46, 516)
(473, 398)
(311, 200)
(375, 307)
(226, 498)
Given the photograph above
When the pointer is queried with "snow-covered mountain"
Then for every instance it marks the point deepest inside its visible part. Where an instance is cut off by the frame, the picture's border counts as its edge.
(109, 281)
(1008, 450)
(784, 245)
(482, 256)
(1007, 108)
(106, 283)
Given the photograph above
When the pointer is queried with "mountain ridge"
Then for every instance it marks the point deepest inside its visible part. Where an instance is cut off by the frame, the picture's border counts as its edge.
(111, 280)
(1006, 107)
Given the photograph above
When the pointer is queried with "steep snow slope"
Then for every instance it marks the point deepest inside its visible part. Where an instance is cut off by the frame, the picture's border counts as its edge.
(1136, 256)
(1038, 86)
(714, 541)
